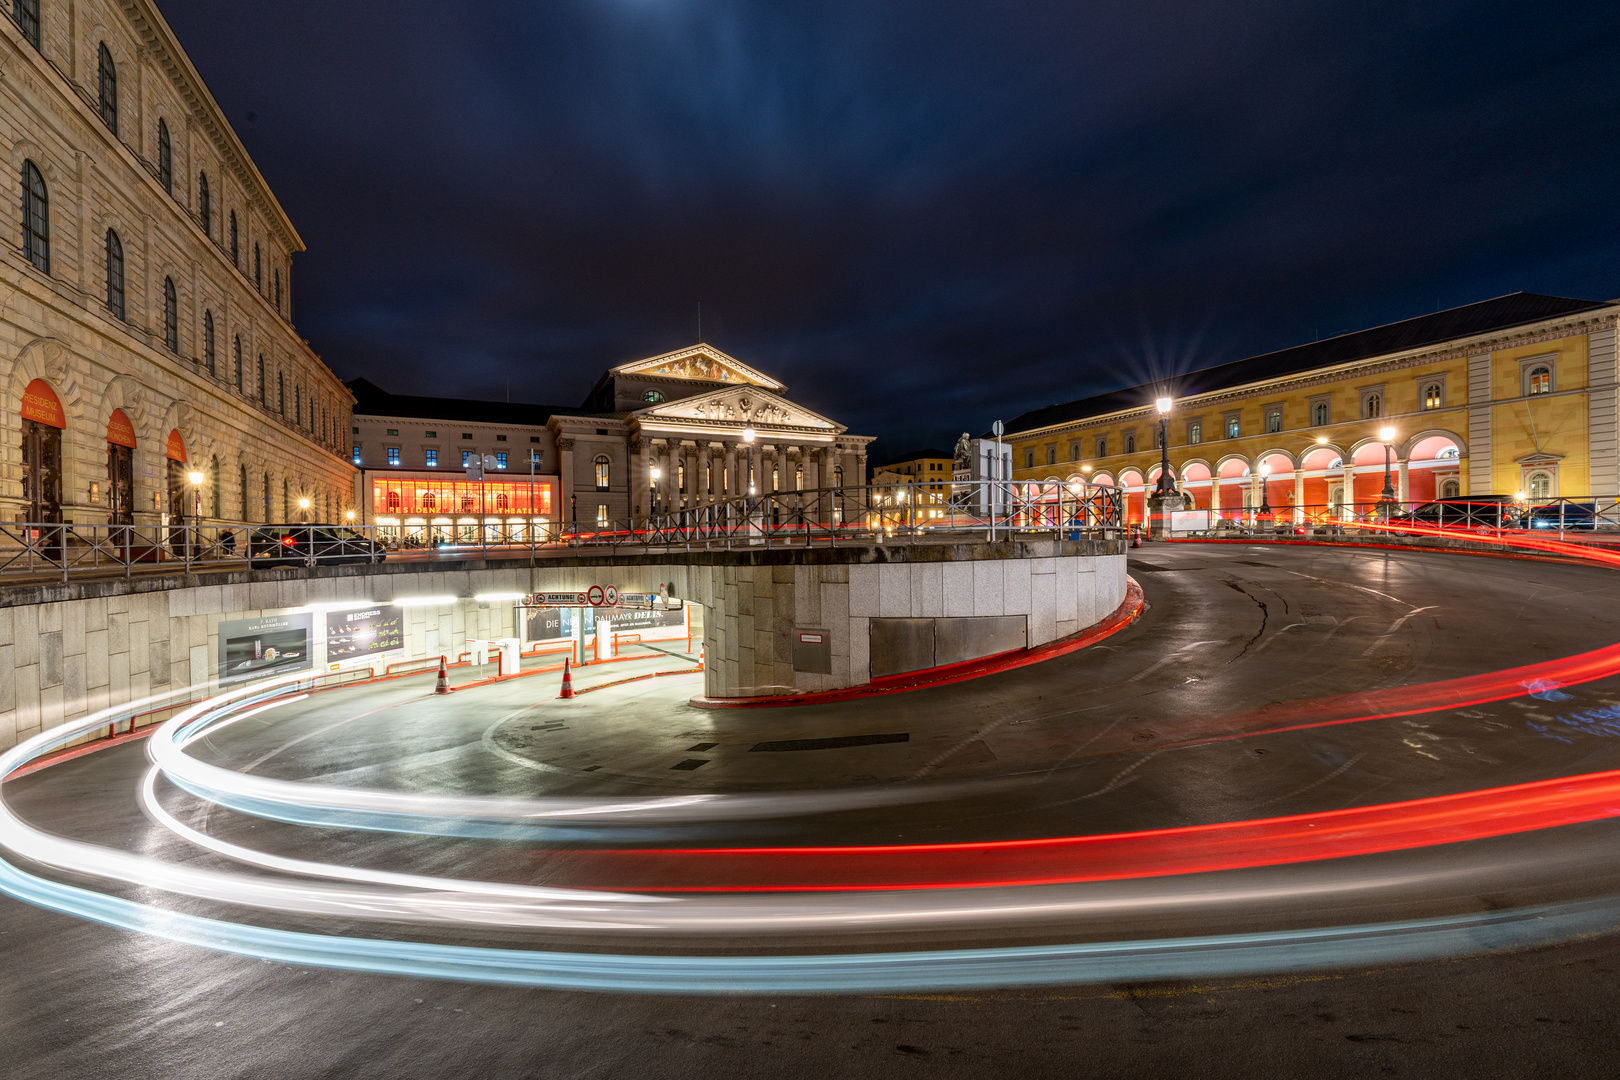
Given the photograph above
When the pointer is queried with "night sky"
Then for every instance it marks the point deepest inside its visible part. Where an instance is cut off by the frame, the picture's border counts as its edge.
(921, 216)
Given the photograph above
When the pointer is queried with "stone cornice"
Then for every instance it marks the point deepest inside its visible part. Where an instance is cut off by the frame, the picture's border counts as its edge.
(1359, 369)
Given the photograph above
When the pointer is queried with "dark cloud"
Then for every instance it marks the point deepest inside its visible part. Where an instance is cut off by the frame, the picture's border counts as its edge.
(920, 215)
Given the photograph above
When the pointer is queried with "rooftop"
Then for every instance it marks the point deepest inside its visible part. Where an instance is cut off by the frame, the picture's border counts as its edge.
(1483, 317)
(915, 455)
(373, 400)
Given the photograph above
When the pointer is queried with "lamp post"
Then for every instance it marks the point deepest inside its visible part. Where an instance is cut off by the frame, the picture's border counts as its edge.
(653, 474)
(748, 439)
(1164, 487)
(1265, 495)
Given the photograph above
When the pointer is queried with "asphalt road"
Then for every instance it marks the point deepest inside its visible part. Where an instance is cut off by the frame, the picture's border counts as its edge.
(1188, 717)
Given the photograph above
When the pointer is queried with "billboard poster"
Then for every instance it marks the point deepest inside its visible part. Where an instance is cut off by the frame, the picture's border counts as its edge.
(364, 631)
(548, 624)
(629, 620)
(268, 645)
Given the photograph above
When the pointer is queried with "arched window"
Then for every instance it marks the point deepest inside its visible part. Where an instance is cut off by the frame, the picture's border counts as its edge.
(165, 158)
(838, 476)
(501, 503)
(1375, 406)
(466, 503)
(36, 218)
(391, 501)
(430, 501)
(258, 270)
(298, 406)
(243, 489)
(1319, 413)
(1130, 444)
(171, 316)
(1540, 380)
(236, 259)
(278, 289)
(205, 205)
(107, 80)
(26, 12)
(236, 360)
(281, 392)
(652, 397)
(208, 341)
(262, 399)
(601, 464)
(115, 274)
(1432, 398)
(1450, 489)
(1538, 485)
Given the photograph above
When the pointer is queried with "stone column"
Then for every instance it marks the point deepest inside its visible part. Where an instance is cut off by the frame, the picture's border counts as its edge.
(1401, 489)
(565, 474)
(1349, 481)
(635, 495)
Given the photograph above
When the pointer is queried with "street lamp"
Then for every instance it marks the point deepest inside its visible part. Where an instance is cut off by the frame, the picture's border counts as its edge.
(1164, 486)
(653, 474)
(1388, 436)
(748, 438)
(1265, 494)
(196, 479)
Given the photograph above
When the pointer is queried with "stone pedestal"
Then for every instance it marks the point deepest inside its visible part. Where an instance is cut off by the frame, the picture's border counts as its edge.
(1159, 508)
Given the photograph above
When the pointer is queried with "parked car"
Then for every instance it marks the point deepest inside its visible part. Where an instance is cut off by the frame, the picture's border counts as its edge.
(295, 545)
(1466, 512)
(1563, 515)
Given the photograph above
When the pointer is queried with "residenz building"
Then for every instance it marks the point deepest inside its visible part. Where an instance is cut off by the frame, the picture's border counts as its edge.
(146, 309)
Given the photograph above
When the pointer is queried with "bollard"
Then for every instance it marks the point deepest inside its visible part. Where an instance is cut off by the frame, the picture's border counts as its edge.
(568, 681)
(443, 685)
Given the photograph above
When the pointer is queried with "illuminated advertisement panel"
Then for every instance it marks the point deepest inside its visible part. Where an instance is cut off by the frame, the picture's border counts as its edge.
(364, 631)
(268, 645)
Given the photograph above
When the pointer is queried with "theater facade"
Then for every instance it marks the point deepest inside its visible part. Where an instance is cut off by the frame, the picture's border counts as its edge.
(1515, 396)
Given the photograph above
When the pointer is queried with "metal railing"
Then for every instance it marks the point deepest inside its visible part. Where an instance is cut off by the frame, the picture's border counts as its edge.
(1591, 518)
(818, 517)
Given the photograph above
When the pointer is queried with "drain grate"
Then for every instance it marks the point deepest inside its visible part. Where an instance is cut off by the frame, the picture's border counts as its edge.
(701, 748)
(690, 763)
(830, 744)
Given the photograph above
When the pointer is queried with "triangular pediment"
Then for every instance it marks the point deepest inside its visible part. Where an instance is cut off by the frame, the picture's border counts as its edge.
(738, 408)
(702, 363)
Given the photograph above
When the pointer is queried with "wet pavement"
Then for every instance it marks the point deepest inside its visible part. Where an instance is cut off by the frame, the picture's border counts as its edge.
(1188, 717)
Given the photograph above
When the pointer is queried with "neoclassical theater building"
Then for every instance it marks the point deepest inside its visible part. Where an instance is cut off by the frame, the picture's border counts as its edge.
(1512, 395)
(146, 291)
(658, 435)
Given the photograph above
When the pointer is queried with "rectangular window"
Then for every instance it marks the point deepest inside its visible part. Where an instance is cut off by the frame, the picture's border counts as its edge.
(466, 434)
(500, 438)
(1273, 421)
(601, 514)
(431, 434)
(466, 458)
(357, 455)
(393, 431)
(432, 458)
(1195, 433)
(1234, 426)
(393, 455)
(500, 459)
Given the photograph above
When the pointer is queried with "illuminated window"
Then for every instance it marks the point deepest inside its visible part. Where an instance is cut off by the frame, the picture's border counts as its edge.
(107, 84)
(1195, 433)
(601, 514)
(601, 464)
(500, 459)
(171, 316)
(1319, 413)
(165, 162)
(1538, 485)
(680, 476)
(1373, 406)
(432, 458)
(1540, 380)
(393, 431)
(1432, 397)
(430, 501)
(431, 434)
(652, 397)
(356, 456)
(36, 216)
(392, 501)
(393, 455)
(501, 502)
(466, 458)
(1234, 427)
(1273, 421)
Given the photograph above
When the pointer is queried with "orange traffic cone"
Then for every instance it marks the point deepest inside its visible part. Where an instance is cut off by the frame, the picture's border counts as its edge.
(700, 654)
(568, 681)
(443, 685)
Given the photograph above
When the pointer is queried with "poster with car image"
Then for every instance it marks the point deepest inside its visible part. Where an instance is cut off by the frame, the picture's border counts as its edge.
(365, 631)
(268, 645)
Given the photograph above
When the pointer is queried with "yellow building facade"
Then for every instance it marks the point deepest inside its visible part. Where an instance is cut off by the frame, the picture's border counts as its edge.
(1514, 396)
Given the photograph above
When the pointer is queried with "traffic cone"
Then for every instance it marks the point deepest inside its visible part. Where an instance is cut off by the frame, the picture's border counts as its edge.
(700, 654)
(568, 681)
(443, 685)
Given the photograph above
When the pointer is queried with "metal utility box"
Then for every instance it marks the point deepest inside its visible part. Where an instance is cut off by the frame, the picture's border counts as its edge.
(812, 651)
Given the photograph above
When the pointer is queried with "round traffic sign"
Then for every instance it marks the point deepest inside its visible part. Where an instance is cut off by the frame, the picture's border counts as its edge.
(612, 596)
(594, 595)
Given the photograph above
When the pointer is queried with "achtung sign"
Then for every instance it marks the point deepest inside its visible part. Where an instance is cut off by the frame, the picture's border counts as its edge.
(595, 596)
(41, 404)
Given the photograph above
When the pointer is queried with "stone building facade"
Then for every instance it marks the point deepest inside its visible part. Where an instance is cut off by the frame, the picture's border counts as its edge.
(685, 414)
(146, 291)
(1517, 395)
